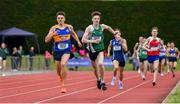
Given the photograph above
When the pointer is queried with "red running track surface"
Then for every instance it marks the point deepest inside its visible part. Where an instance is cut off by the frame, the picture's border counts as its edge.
(81, 86)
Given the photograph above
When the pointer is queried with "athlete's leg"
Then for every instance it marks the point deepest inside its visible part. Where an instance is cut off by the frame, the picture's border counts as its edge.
(116, 67)
(159, 69)
(145, 67)
(142, 67)
(120, 84)
(174, 67)
(100, 63)
(155, 67)
(121, 73)
(171, 67)
(168, 66)
(162, 66)
(96, 73)
(64, 59)
(58, 68)
(95, 70)
(151, 67)
(174, 64)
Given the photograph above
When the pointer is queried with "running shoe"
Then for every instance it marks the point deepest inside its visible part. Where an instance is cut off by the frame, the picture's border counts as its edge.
(113, 81)
(98, 84)
(143, 77)
(63, 90)
(120, 85)
(153, 83)
(173, 75)
(162, 74)
(103, 86)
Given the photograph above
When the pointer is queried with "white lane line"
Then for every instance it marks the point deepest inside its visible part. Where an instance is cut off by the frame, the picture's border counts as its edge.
(25, 77)
(123, 92)
(30, 80)
(132, 88)
(171, 92)
(4, 89)
(44, 89)
(75, 92)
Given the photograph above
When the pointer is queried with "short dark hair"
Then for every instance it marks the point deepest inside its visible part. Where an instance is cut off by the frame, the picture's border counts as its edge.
(95, 13)
(60, 13)
(154, 28)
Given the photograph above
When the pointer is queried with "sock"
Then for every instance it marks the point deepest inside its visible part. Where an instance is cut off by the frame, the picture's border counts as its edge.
(114, 78)
(120, 81)
(99, 79)
(102, 81)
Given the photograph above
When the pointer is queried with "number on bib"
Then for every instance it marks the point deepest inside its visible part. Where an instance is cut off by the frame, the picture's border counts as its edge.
(116, 48)
(62, 46)
(96, 37)
(154, 48)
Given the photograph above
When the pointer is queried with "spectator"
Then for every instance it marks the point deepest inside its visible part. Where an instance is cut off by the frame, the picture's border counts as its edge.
(47, 57)
(21, 53)
(82, 52)
(15, 59)
(31, 58)
(3, 55)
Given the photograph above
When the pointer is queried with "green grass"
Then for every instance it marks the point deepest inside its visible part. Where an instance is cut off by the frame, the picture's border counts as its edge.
(175, 97)
(39, 64)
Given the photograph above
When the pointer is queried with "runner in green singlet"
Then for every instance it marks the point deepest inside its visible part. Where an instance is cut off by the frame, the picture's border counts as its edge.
(94, 38)
(143, 59)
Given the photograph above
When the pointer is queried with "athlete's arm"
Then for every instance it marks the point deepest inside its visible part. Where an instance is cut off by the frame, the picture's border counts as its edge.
(86, 36)
(109, 48)
(109, 28)
(50, 35)
(138, 49)
(167, 51)
(74, 35)
(177, 52)
(124, 45)
(161, 43)
(135, 46)
(145, 45)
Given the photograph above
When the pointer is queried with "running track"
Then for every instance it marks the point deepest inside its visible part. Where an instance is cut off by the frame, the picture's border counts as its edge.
(44, 88)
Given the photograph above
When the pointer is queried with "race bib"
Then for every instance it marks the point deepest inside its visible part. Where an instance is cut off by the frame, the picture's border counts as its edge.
(154, 48)
(173, 55)
(62, 46)
(144, 52)
(96, 37)
(162, 54)
(116, 48)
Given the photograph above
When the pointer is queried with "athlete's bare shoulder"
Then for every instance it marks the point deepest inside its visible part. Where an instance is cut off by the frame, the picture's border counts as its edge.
(69, 26)
(53, 28)
(176, 48)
